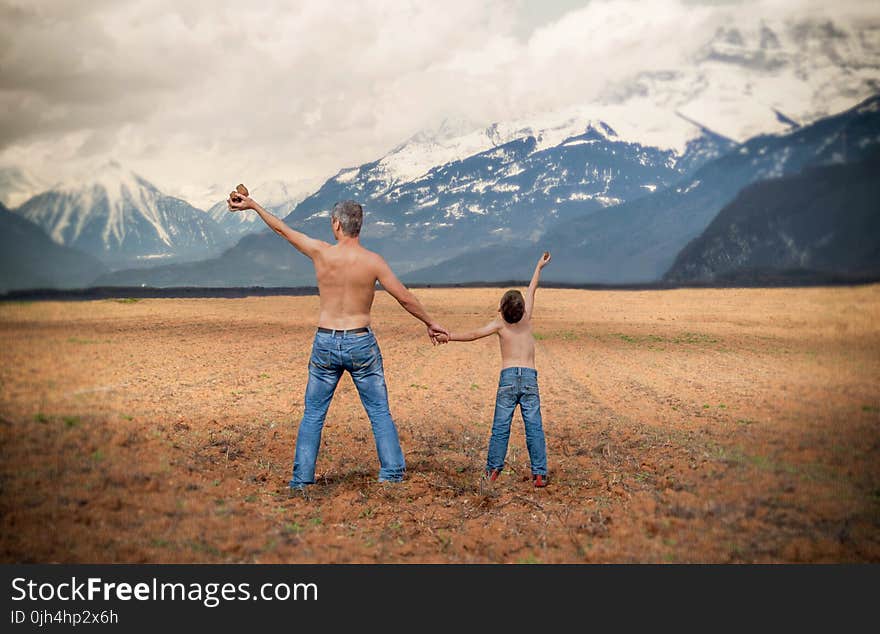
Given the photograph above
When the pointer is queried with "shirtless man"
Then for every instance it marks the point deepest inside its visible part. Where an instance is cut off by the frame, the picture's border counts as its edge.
(347, 274)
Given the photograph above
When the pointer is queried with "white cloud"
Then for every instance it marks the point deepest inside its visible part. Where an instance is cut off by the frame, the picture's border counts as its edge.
(192, 94)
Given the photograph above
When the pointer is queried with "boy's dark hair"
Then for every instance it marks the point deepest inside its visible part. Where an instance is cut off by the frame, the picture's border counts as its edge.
(512, 306)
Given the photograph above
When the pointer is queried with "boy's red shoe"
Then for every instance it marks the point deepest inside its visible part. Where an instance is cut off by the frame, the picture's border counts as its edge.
(493, 475)
(540, 481)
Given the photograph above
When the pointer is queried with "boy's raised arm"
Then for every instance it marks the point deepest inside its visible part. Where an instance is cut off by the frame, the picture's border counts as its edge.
(533, 285)
(306, 245)
(472, 335)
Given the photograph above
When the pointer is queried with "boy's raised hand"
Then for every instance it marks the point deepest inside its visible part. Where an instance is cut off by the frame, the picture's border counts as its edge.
(544, 259)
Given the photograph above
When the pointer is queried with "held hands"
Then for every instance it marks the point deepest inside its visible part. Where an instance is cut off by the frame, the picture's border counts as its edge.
(437, 333)
(544, 260)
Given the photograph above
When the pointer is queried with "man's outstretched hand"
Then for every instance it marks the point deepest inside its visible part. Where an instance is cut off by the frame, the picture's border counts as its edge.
(437, 333)
(544, 260)
(239, 202)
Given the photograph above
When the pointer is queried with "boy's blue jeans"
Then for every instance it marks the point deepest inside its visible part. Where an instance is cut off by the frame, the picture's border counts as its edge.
(332, 354)
(518, 386)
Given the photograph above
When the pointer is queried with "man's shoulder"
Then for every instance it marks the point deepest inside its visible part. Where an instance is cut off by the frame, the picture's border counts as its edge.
(371, 257)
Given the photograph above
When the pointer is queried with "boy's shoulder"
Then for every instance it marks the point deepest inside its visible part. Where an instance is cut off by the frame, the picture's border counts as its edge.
(518, 327)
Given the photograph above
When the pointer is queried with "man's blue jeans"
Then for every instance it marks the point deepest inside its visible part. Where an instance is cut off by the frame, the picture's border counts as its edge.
(518, 386)
(332, 354)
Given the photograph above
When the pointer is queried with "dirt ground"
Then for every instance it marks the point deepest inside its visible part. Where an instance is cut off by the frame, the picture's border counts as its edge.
(682, 426)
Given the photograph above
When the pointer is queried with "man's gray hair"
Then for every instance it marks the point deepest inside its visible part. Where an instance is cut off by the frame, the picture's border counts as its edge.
(350, 215)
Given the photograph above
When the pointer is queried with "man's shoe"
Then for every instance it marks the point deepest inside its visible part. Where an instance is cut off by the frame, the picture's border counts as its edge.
(540, 481)
(493, 474)
(299, 491)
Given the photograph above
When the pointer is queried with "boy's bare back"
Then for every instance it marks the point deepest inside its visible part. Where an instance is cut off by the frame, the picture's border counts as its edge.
(516, 339)
(517, 343)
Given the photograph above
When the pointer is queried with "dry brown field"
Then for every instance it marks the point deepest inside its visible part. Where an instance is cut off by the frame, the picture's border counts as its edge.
(709, 425)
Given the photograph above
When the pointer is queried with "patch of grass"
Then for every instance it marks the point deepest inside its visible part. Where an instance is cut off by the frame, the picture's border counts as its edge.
(40, 417)
(127, 417)
(316, 521)
(870, 408)
(685, 338)
(160, 543)
(97, 455)
(264, 376)
(419, 387)
(250, 498)
(474, 386)
(292, 528)
(746, 421)
(127, 300)
(531, 559)
(694, 337)
(706, 406)
(539, 336)
(71, 421)
(395, 525)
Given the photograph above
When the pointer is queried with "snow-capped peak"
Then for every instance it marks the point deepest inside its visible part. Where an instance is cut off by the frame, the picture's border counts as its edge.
(759, 77)
(120, 189)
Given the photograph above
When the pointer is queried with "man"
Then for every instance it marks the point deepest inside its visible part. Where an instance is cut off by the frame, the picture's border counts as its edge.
(347, 274)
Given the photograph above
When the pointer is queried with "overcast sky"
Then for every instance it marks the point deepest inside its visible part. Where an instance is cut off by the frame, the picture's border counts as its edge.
(192, 93)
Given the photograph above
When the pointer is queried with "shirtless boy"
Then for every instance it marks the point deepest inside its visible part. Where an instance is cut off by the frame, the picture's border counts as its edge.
(518, 384)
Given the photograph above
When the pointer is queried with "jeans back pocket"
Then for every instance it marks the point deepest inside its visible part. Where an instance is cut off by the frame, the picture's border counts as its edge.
(365, 354)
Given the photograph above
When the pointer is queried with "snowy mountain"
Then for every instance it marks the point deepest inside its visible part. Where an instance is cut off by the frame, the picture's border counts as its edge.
(745, 80)
(764, 77)
(17, 185)
(276, 196)
(510, 193)
(29, 259)
(123, 220)
(638, 241)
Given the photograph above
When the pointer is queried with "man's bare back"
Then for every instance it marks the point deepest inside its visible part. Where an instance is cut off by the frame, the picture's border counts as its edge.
(347, 277)
(346, 272)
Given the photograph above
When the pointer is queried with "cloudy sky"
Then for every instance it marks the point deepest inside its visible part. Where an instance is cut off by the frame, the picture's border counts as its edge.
(192, 94)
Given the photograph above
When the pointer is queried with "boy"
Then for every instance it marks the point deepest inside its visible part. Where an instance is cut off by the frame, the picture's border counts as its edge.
(518, 383)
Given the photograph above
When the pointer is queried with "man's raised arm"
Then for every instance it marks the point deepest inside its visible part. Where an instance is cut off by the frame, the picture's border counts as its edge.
(405, 298)
(304, 244)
